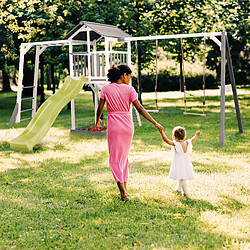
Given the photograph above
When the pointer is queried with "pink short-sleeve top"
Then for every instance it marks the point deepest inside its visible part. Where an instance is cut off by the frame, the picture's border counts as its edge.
(118, 96)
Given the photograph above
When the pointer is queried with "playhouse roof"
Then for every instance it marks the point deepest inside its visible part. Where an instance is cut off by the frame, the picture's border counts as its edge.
(97, 30)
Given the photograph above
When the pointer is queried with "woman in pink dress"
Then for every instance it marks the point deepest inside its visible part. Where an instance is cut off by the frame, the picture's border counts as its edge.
(119, 95)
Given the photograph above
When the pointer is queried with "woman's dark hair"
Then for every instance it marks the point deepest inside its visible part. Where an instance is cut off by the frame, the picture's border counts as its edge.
(115, 72)
(179, 133)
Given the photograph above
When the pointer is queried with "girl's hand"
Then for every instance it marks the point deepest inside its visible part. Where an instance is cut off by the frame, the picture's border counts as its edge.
(198, 133)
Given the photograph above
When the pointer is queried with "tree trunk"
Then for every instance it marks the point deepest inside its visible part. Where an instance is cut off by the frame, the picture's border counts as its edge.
(13, 78)
(6, 79)
(48, 77)
(53, 78)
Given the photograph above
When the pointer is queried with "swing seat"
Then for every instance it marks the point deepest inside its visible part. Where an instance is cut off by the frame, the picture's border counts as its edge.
(186, 113)
(152, 110)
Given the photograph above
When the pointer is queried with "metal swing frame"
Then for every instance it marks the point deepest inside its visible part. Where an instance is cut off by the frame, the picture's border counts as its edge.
(225, 54)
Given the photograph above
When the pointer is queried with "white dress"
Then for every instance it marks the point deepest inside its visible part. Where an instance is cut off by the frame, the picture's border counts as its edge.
(181, 167)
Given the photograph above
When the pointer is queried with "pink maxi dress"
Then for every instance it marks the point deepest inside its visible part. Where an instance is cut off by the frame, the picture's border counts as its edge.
(120, 129)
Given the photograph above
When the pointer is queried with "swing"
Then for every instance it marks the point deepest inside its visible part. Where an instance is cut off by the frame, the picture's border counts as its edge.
(156, 75)
(204, 79)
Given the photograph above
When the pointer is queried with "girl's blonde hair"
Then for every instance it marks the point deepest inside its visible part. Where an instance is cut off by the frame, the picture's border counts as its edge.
(179, 133)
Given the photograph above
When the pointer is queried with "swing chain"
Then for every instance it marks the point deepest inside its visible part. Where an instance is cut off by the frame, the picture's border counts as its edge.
(156, 72)
(204, 77)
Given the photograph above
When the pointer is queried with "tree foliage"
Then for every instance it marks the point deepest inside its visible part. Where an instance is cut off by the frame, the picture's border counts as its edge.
(35, 20)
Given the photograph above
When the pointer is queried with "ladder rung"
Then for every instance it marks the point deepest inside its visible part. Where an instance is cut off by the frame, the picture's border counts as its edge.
(26, 119)
(25, 110)
(28, 87)
(28, 98)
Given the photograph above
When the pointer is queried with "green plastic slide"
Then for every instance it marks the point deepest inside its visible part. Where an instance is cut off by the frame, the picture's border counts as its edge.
(46, 115)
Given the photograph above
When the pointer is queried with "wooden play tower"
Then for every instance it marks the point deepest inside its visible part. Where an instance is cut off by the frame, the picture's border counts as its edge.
(90, 62)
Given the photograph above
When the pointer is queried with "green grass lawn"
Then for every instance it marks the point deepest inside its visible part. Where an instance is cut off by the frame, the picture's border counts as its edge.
(63, 195)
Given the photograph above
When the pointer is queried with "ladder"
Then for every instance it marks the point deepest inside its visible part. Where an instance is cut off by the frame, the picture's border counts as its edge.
(18, 106)
(17, 112)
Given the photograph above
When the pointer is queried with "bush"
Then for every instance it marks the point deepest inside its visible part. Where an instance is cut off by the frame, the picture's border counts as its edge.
(168, 82)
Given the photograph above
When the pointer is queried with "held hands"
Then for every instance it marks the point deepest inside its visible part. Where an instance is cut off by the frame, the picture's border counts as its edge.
(159, 126)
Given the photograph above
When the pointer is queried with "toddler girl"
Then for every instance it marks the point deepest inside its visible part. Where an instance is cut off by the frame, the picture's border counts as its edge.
(181, 168)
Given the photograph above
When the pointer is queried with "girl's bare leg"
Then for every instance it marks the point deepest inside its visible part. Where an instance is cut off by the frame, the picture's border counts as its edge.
(179, 185)
(184, 187)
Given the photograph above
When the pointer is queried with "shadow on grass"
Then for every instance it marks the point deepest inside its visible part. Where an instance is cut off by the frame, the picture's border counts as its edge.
(199, 205)
(81, 137)
(163, 169)
(213, 167)
(228, 205)
(58, 203)
(232, 204)
(5, 146)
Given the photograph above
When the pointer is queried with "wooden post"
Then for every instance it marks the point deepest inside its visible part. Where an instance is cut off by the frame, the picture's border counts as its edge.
(20, 83)
(222, 89)
(106, 55)
(129, 64)
(71, 73)
(89, 56)
(42, 98)
(232, 80)
(39, 51)
(111, 54)
(34, 102)
(23, 51)
(94, 60)
(103, 65)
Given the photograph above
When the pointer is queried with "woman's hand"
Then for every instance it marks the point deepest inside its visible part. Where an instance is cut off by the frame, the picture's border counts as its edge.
(98, 124)
(160, 128)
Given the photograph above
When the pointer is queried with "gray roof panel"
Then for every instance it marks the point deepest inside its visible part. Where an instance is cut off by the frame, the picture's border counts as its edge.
(103, 30)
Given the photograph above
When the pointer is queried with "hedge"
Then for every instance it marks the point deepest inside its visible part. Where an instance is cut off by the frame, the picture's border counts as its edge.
(167, 82)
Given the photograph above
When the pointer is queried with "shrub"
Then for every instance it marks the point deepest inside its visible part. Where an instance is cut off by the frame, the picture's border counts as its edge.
(168, 82)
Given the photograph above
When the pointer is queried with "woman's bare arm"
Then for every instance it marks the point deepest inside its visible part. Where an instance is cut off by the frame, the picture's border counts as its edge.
(146, 115)
(99, 111)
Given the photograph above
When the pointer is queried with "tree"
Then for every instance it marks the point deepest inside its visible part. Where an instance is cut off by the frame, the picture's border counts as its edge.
(180, 17)
(7, 55)
(233, 17)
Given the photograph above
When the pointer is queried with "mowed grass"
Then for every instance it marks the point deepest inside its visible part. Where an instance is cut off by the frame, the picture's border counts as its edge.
(63, 195)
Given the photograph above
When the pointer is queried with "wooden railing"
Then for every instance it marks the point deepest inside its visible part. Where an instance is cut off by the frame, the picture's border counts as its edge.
(97, 62)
